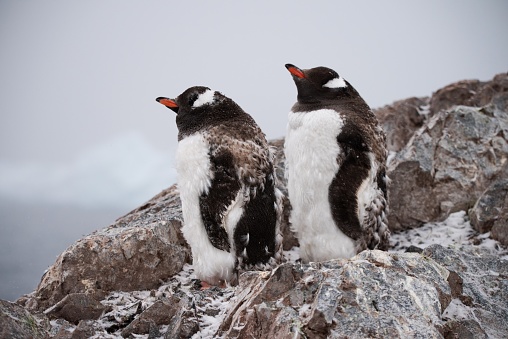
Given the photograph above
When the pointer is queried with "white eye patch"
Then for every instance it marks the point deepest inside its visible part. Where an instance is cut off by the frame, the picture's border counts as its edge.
(205, 98)
(336, 83)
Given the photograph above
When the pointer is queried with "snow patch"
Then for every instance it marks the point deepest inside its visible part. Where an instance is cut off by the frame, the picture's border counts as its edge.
(456, 231)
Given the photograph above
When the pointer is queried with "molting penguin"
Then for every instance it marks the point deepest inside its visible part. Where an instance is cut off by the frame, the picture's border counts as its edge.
(226, 179)
(336, 168)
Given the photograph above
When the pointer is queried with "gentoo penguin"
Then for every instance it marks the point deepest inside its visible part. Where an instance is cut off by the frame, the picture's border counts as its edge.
(336, 168)
(227, 187)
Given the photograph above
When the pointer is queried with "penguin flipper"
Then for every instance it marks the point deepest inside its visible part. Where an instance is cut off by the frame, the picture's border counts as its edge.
(343, 189)
(215, 202)
(255, 234)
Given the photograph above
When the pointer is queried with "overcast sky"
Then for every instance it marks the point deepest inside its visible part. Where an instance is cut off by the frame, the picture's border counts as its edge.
(78, 79)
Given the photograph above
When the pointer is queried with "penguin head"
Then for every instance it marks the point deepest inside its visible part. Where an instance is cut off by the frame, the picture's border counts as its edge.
(194, 98)
(319, 83)
(198, 107)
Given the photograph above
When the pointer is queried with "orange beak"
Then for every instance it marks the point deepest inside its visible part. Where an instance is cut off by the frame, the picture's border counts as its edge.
(295, 71)
(169, 103)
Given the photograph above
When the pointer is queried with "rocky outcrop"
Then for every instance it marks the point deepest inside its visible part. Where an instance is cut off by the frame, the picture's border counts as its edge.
(434, 294)
(375, 294)
(450, 161)
(449, 152)
(17, 323)
(401, 119)
(447, 165)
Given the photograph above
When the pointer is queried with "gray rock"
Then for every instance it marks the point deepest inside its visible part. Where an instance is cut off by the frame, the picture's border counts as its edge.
(160, 313)
(479, 289)
(490, 213)
(375, 294)
(17, 323)
(447, 165)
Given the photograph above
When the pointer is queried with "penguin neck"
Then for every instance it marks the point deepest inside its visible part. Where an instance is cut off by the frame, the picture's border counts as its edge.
(190, 122)
(345, 102)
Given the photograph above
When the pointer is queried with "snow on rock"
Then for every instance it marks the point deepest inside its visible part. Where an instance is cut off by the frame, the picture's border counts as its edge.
(456, 231)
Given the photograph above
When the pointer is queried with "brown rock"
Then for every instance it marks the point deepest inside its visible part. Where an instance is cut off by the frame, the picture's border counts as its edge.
(472, 93)
(76, 307)
(85, 330)
(463, 329)
(401, 119)
(458, 93)
(17, 323)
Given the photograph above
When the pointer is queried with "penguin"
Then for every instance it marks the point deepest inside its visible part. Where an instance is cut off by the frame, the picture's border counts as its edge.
(230, 205)
(336, 168)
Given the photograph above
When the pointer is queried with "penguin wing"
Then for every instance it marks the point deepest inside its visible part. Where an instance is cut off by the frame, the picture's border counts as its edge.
(353, 170)
(221, 194)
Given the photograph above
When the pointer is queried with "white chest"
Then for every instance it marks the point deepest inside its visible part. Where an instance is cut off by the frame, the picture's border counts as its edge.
(311, 151)
(193, 165)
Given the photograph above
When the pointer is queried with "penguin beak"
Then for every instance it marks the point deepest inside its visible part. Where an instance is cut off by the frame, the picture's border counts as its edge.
(295, 71)
(169, 103)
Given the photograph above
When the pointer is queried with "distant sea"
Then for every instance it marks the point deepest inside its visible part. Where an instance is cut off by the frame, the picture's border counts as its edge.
(33, 235)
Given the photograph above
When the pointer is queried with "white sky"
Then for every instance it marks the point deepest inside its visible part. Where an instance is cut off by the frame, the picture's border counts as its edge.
(80, 76)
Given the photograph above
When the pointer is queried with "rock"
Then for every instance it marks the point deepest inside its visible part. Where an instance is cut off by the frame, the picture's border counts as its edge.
(160, 313)
(447, 165)
(401, 119)
(463, 329)
(17, 323)
(375, 294)
(61, 329)
(458, 93)
(75, 307)
(134, 253)
(184, 323)
(479, 289)
(86, 329)
(470, 93)
(490, 213)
